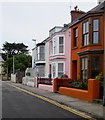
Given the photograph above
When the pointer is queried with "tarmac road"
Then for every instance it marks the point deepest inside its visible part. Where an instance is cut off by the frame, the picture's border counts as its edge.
(18, 104)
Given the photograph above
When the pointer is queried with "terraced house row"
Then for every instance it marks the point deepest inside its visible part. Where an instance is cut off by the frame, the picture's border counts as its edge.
(76, 49)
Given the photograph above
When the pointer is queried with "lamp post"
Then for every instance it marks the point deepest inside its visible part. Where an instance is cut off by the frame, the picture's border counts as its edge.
(13, 65)
(34, 57)
(35, 41)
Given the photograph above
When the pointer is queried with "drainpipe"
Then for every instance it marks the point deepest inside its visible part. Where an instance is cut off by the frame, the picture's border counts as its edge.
(104, 60)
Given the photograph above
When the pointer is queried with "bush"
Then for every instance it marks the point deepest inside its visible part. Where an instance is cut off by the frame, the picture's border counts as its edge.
(79, 85)
(99, 77)
(28, 74)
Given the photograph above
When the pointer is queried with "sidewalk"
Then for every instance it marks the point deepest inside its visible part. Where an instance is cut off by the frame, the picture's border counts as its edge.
(93, 109)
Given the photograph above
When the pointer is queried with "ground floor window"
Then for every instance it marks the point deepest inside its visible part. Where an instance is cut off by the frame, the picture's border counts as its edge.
(57, 69)
(90, 66)
(95, 66)
(40, 70)
(84, 68)
(53, 70)
(60, 69)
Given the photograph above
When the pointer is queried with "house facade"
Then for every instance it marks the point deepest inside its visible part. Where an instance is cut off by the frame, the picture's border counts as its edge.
(38, 59)
(58, 55)
(87, 44)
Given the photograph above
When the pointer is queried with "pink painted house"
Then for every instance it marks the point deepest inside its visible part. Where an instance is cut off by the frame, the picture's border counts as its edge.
(58, 57)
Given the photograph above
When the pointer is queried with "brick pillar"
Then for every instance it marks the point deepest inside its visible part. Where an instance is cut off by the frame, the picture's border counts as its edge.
(93, 89)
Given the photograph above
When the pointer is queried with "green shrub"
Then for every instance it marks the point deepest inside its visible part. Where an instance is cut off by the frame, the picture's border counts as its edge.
(99, 77)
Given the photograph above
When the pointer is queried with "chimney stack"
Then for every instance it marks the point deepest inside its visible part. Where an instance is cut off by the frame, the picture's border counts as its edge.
(76, 13)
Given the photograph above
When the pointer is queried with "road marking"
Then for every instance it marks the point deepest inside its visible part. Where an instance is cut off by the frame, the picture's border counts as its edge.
(54, 102)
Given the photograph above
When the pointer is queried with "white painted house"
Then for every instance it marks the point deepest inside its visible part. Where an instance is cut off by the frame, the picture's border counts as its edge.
(38, 59)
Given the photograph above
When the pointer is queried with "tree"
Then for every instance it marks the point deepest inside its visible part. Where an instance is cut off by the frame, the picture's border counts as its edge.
(21, 62)
(11, 49)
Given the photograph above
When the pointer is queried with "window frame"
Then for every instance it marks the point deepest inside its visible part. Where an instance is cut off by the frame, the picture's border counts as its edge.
(75, 41)
(90, 59)
(92, 19)
(89, 56)
(58, 68)
(60, 45)
(39, 69)
(86, 33)
(84, 57)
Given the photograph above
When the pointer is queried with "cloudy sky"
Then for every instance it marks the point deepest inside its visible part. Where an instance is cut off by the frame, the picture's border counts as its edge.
(22, 21)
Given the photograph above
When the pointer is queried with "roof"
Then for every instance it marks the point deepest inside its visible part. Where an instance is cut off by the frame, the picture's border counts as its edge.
(98, 8)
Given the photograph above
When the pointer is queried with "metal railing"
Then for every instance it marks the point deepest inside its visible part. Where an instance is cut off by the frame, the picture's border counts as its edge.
(46, 81)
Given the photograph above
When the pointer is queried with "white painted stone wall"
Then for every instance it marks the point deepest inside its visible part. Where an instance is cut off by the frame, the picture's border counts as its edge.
(13, 78)
(29, 81)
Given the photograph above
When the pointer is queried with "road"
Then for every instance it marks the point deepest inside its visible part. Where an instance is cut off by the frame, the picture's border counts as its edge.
(18, 104)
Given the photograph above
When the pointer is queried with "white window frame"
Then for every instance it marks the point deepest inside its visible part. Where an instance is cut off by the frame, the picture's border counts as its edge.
(61, 44)
(52, 69)
(56, 68)
(54, 45)
(56, 38)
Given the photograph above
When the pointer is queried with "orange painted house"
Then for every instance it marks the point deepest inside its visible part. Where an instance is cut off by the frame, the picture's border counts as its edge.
(87, 43)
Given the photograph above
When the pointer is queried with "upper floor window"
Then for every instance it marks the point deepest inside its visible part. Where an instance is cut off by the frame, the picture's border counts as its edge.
(55, 46)
(75, 37)
(40, 53)
(90, 32)
(61, 44)
(86, 33)
(95, 31)
(51, 47)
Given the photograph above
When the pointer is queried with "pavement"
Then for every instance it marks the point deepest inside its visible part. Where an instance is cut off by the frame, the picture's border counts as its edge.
(93, 109)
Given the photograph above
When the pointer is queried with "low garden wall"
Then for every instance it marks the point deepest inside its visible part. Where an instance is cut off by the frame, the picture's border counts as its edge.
(46, 87)
(88, 95)
(13, 78)
(30, 81)
(45, 84)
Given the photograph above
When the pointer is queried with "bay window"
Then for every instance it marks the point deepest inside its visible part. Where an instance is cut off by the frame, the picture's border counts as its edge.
(54, 70)
(61, 44)
(95, 66)
(95, 31)
(40, 70)
(57, 69)
(86, 33)
(90, 32)
(84, 68)
(60, 69)
(55, 46)
(90, 66)
(40, 53)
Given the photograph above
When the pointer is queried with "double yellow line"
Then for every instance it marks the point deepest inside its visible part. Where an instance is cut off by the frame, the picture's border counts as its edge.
(54, 103)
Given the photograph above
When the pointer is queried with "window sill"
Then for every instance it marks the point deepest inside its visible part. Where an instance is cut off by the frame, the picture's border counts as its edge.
(56, 55)
(74, 48)
(91, 45)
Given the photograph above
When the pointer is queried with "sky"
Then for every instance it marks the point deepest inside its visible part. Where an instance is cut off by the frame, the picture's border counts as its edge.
(24, 20)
